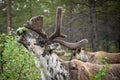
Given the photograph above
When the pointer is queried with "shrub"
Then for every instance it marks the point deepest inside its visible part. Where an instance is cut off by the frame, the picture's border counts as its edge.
(15, 61)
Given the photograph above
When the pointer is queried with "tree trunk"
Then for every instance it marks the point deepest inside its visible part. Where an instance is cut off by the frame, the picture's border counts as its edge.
(30, 9)
(1, 62)
(93, 25)
(70, 25)
(118, 43)
(9, 22)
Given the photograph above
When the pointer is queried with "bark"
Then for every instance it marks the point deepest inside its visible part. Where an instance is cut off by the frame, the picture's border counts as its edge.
(119, 44)
(1, 62)
(70, 25)
(9, 18)
(30, 9)
(93, 22)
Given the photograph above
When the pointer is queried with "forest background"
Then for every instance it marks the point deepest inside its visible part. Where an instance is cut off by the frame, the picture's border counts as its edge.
(96, 20)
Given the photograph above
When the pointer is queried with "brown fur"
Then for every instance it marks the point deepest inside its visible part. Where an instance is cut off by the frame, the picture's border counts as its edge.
(94, 57)
(75, 69)
(59, 52)
(85, 71)
(112, 58)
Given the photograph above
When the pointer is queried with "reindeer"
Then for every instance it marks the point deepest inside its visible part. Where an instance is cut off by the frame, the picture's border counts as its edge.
(96, 57)
(50, 65)
(43, 48)
(86, 70)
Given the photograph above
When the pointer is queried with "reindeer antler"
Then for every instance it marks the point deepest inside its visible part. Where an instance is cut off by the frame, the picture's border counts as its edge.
(73, 46)
(36, 24)
(57, 32)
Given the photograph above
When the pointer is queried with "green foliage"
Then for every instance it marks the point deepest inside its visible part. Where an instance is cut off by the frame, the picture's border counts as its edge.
(16, 62)
(108, 46)
(21, 30)
(76, 16)
(103, 60)
(113, 48)
(101, 74)
(103, 70)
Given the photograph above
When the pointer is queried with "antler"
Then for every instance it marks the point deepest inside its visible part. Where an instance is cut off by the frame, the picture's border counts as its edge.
(36, 24)
(76, 45)
(57, 32)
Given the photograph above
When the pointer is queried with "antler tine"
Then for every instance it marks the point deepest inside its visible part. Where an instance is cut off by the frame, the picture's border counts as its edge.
(57, 32)
(72, 46)
(36, 24)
